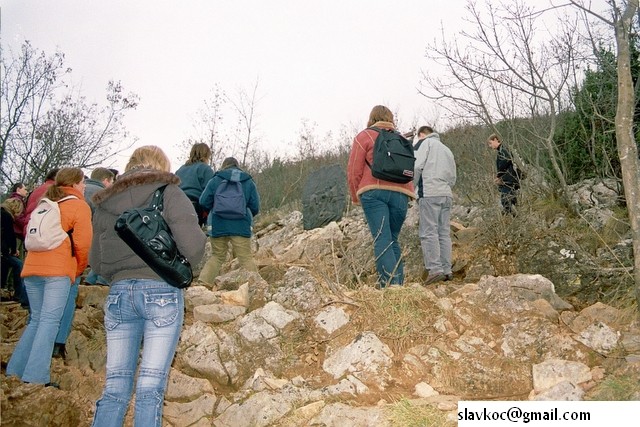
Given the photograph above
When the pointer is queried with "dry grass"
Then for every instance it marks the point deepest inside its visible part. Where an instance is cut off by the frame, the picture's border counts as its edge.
(616, 388)
(401, 317)
(406, 414)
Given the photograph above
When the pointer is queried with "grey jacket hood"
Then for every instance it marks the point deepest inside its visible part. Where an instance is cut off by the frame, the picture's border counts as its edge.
(126, 191)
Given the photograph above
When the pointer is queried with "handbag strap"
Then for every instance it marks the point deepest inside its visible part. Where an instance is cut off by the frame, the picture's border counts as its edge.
(158, 198)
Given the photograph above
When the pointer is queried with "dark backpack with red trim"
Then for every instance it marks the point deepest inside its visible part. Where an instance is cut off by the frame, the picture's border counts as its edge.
(393, 158)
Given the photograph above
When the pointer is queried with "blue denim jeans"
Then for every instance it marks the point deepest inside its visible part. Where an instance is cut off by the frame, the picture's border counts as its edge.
(67, 315)
(147, 312)
(434, 231)
(94, 278)
(385, 212)
(15, 263)
(31, 359)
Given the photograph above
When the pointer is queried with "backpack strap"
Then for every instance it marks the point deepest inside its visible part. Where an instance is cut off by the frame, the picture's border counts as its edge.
(377, 130)
(70, 232)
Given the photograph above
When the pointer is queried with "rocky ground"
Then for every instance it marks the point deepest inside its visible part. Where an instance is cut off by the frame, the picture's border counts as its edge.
(310, 341)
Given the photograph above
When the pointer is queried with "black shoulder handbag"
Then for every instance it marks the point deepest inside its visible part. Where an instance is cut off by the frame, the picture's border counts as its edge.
(146, 232)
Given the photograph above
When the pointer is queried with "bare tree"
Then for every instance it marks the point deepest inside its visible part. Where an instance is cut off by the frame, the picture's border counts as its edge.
(245, 105)
(621, 20)
(209, 127)
(40, 131)
(508, 68)
(28, 82)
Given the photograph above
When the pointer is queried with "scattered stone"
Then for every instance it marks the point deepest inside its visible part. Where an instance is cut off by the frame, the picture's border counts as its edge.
(554, 371)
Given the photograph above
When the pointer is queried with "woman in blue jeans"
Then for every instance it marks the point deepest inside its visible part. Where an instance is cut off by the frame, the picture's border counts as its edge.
(48, 276)
(141, 309)
(384, 203)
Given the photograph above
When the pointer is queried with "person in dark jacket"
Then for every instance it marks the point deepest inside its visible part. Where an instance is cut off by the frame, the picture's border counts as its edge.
(506, 178)
(195, 175)
(20, 192)
(10, 255)
(224, 230)
(101, 178)
(141, 310)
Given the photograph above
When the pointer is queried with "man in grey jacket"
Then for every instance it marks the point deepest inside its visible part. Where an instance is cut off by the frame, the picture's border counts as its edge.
(434, 176)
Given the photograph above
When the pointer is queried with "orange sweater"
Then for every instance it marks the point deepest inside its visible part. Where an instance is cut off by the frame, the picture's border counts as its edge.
(74, 214)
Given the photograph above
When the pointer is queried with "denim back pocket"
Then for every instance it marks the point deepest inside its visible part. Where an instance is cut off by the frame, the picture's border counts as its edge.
(112, 311)
(161, 308)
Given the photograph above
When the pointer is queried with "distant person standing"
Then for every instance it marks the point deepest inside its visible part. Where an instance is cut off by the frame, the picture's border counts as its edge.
(10, 255)
(194, 176)
(20, 192)
(115, 173)
(384, 203)
(506, 177)
(227, 228)
(100, 179)
(434, 177)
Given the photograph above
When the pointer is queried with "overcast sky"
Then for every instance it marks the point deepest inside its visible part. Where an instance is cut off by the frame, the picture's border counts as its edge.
(327, 61)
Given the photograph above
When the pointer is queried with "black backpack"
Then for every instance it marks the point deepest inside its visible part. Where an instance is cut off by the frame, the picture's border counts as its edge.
(393, 158)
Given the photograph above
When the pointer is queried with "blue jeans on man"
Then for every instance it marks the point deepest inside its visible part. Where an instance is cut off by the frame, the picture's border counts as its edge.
(13, 263)
(139, 312)
(435, 233)
(385, 212)
(31, 358)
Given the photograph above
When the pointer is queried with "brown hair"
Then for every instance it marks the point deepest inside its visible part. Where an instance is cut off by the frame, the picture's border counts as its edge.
(425, 129)
(102, 173)
(149, 157)
(65, 177)
(380, 113)
(200, 152)
(15, 187)
(493, 136)
(51, 174)
(229, 162)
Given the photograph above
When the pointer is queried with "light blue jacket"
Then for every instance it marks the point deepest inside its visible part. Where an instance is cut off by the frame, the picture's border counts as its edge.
(435, 168)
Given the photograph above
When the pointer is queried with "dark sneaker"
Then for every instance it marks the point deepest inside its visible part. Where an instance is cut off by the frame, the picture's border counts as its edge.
(54, 385)
(434, 278)
(59, 351)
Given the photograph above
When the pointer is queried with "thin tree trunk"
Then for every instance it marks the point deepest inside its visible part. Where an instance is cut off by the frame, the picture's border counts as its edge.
(627, 148)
